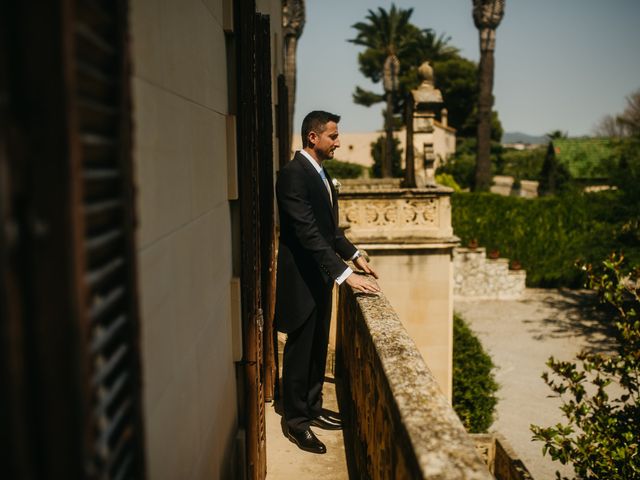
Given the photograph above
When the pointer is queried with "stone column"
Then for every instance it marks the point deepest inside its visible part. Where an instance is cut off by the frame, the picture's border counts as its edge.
(408, 235)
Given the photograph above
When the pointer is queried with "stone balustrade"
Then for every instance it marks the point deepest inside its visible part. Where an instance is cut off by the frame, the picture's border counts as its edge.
(381, 213)
(398, 422)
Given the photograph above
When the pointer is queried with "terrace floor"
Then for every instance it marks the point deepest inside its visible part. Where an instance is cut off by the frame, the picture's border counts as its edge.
(286, 461)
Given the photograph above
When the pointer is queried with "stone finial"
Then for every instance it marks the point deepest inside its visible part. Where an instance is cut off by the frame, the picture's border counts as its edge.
(426, 94)
(425, 72)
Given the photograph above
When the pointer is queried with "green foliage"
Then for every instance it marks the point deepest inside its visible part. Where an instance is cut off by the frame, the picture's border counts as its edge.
(601, 392)
(339, 169)
(448, 181)
(377, 151)
(457, 79)
(462, 169)
(474, 386)
(624, 168)
(462, 165)
(390, 32)
(521, 164)
(554, 176)
(547, 235)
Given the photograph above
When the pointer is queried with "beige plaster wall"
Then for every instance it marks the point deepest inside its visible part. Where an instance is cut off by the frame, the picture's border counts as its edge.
(184, 239)
(419, 286)
(355, 147)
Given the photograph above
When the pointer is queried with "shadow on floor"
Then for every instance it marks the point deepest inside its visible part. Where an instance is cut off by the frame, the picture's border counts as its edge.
(574, 313)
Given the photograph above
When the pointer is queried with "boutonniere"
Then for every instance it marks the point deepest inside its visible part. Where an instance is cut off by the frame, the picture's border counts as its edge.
(336, 184)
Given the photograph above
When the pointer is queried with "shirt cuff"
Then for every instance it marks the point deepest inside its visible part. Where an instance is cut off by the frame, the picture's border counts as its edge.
(344, 275)
(356, 255)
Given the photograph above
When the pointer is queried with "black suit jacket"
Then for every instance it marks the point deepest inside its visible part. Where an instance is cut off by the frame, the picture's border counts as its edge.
(311, 243)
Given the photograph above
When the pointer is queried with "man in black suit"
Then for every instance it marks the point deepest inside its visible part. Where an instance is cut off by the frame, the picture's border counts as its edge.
(311, 258)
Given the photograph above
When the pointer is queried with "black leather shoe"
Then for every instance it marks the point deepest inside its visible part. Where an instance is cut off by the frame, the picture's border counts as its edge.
(327, 423)
(307, 441)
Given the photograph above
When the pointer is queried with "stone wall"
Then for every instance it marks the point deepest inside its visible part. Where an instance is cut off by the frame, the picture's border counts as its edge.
(191, 337)
(477, 277)
(398, 423)
(505, 185)
(503, 462)
(408, 235)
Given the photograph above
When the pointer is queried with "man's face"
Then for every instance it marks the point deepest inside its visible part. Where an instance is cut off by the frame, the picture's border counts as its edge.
(326, 142)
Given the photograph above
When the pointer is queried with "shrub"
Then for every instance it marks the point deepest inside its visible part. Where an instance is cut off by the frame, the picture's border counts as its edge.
(377, 151)
(474, 386)
(601, 436)
(547, 235)
(462, 165)
(522, 164)
(339, 169)
(448, 181)
(461, 168)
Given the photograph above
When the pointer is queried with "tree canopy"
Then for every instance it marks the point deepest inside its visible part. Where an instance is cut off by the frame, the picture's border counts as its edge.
(390, 32)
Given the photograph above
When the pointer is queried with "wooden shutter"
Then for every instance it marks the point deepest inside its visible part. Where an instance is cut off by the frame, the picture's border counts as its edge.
(267, 224)
(255, 164)
(69, 91)
(104, 129)
(283, 128)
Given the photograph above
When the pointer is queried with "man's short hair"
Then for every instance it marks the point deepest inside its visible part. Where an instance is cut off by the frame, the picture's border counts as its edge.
(316, 121)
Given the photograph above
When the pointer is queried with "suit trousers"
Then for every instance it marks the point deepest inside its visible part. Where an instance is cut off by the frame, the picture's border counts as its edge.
(303, 368)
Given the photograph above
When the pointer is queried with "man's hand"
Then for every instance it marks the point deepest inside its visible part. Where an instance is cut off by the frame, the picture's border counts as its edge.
(363, 265)
(361, 283)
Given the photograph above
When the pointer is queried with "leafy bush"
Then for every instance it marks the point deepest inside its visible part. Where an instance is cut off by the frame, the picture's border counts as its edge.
(601, 438)
(474, 386)
(522, 164)
(377, 151)
(462, 165)
(547, 235)
(339, 169)
(448, 181)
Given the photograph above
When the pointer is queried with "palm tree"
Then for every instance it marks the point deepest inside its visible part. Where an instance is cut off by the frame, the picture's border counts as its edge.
(293, 19)
(390, 39)
(487, 15)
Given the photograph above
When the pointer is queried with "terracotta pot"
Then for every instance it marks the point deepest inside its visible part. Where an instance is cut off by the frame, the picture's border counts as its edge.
(494, 254)
(515, 265)
(473, 244)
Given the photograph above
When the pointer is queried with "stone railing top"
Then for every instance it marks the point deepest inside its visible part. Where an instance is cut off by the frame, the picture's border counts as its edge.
(442, 447)
(358, 187)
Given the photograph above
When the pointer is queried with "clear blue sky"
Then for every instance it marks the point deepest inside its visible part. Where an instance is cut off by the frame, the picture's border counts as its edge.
(560, 64)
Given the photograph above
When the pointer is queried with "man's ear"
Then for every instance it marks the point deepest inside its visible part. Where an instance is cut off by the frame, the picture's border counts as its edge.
(312, 138)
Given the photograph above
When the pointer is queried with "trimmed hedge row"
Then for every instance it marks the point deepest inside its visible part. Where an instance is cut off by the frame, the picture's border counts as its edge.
(340, 170)
(474, 387)
(548, 235)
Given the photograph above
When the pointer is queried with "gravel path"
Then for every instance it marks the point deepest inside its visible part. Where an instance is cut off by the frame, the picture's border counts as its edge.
(520, 336)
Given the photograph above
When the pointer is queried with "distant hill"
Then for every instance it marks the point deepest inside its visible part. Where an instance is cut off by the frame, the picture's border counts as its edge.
(518, 137)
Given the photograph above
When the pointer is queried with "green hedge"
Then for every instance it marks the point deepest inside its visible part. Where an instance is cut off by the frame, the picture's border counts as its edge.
(474, 386)
(338, 169)
(547, 235)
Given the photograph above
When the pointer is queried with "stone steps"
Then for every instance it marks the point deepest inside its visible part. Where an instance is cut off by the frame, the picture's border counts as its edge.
(477, 277)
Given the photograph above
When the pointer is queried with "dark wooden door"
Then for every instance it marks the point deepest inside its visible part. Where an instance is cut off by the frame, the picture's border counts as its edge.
(68, 279)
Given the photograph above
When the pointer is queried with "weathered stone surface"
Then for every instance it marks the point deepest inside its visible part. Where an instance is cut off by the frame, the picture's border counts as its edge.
(382, 212)
(398, 422)
(502, 460)
(478, 277)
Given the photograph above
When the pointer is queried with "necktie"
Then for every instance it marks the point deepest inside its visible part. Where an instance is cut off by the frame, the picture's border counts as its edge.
(326, 184)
